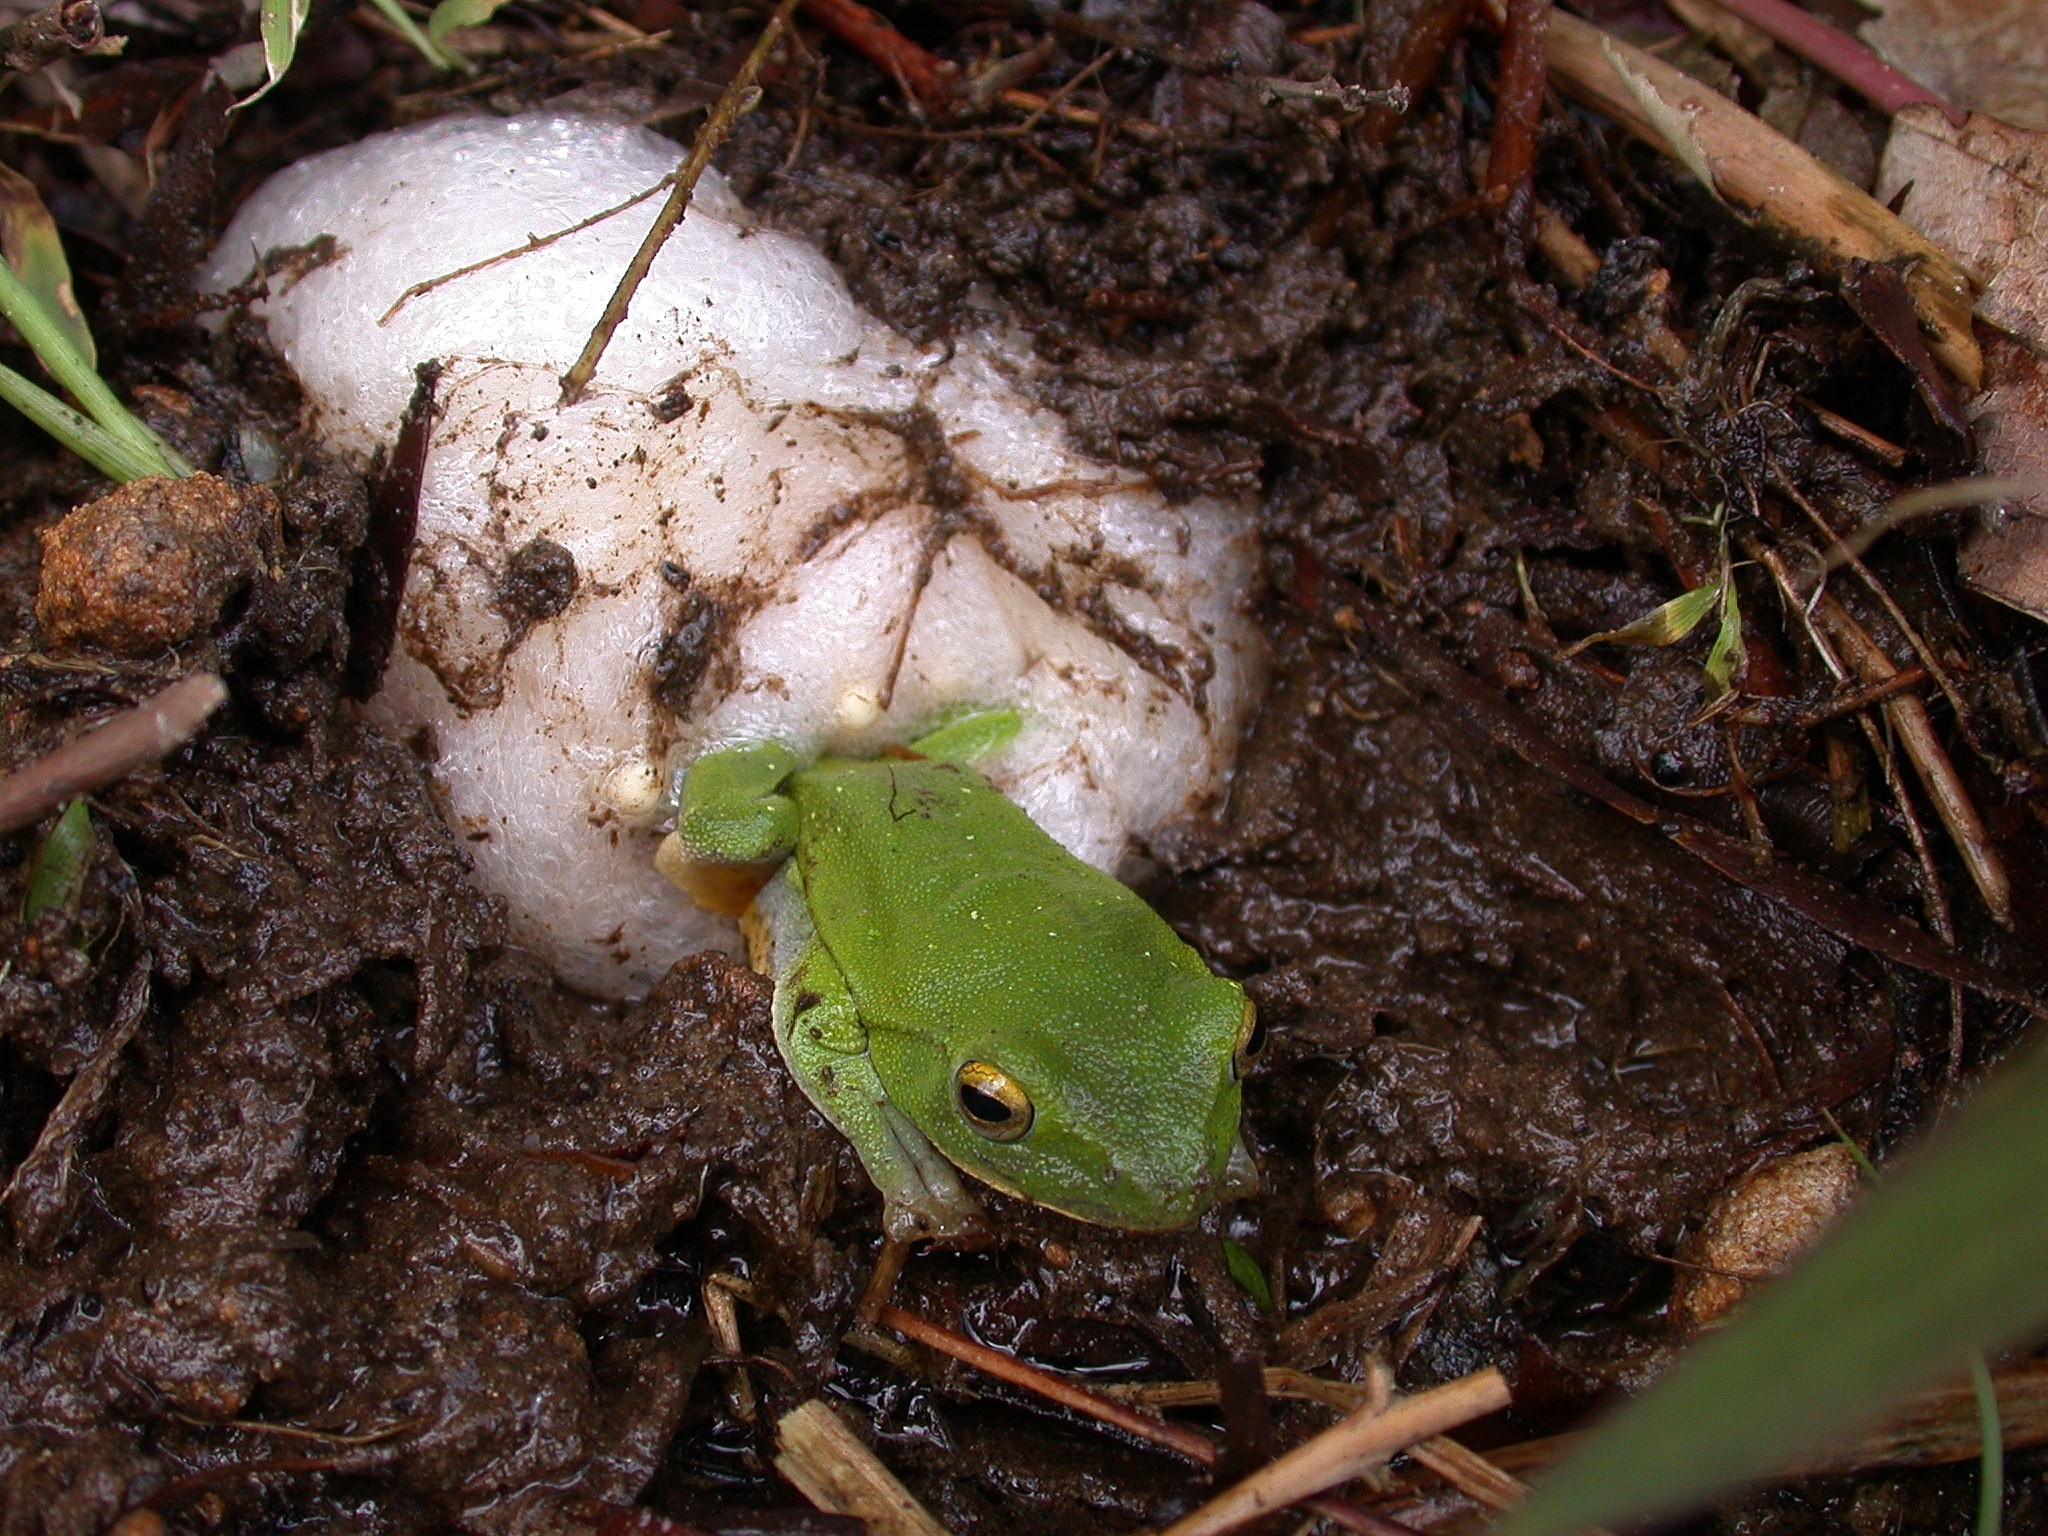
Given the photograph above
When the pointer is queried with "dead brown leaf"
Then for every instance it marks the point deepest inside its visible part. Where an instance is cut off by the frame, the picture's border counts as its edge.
(1981, 193)
(1987, 55)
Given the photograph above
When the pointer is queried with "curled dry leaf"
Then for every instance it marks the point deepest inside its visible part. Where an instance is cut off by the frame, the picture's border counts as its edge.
(1981, 193)
(1987, 55)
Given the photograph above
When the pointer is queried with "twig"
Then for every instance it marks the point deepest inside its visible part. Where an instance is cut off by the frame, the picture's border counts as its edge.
(1934, 899)
(109, 751)
(829, 1465)
(1330, 92)
(533, 243)
(1469, 1472)
(56, 32)
(1349, 1448)
(1841, 55)
(717, 128)
(723, 1317)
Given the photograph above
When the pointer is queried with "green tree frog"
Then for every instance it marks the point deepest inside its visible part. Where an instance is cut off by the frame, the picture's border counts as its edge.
(955, 989)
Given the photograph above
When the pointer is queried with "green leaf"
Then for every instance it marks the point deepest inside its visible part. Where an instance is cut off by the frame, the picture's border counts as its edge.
(1946, 1257)
(429, 49)
(112, 457)
(46, 337)
(280, 24)
(1726, 658)
(30, 245)
(1664, 625)
(450, 14)
(1251, 1279)
(58, 874)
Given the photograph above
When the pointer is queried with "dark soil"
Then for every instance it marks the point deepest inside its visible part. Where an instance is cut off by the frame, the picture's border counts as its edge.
(351, 1219)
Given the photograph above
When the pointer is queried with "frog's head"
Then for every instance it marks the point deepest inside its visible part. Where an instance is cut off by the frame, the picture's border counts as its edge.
(1127, 1121)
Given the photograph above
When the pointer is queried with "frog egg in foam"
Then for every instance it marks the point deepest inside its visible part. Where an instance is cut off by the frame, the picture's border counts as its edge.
(784, 520)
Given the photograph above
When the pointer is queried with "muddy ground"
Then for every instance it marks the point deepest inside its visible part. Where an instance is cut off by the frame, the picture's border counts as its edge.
(351, 1219)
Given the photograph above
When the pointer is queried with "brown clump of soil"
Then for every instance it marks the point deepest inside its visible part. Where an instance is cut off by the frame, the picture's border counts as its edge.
(327, 1210)
(151, 563)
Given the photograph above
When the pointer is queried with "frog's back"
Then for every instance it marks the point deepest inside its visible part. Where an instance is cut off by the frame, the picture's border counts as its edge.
(949, 908)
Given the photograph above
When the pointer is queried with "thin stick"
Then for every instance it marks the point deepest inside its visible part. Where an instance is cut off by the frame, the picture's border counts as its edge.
(533, 243)
(35, 1197)
(1944, 786)
(1349, 1448)
(829, 1465)
(717, 129)
(109, 751)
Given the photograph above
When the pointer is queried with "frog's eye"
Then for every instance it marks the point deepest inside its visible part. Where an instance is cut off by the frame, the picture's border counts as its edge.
(992, 1103)
(1251, 1041)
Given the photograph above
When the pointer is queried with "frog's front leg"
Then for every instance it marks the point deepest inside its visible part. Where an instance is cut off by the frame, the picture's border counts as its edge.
(818, 1028)
(733, 825)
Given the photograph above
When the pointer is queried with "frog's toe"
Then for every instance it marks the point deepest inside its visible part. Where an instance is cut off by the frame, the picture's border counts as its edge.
(923, 1198)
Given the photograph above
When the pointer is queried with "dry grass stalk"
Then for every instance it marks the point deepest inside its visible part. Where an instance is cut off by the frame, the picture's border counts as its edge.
(1350, 1448)
(1766, 177)
(829, 1465)
(1930, 760)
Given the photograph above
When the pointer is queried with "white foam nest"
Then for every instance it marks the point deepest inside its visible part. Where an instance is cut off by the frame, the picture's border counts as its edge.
(816, 532)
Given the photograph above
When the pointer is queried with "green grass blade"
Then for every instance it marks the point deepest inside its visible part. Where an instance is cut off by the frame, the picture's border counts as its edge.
(279, 25)
(451, 14)
(112, 457)
(1946, 1257)
(1726, 656)
(431, 51)
(1664, 625)
(1991, 1462)
(1251, 1279)
(46, 338)
(29, 243)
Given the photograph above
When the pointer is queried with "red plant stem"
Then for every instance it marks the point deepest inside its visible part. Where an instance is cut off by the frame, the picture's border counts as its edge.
(1197, 1448)
(1518, 112)
(1032, 1378)
(1840, 55)
(922, 73)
